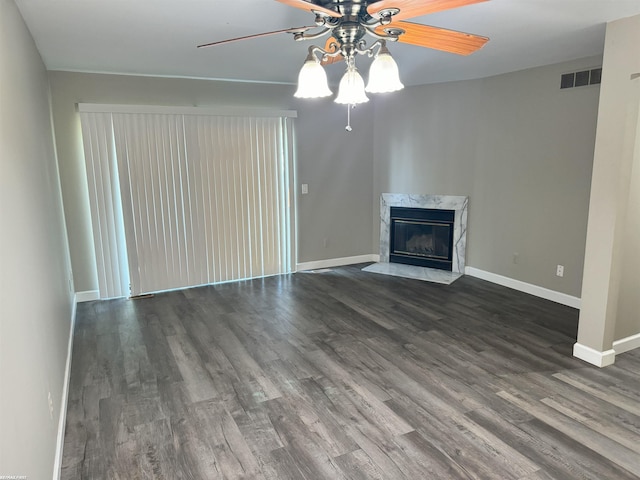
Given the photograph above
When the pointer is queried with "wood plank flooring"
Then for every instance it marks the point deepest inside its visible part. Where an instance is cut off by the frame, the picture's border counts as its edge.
(344, 375)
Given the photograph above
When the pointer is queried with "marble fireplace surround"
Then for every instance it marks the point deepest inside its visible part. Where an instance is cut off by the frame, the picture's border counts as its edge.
(456, 203)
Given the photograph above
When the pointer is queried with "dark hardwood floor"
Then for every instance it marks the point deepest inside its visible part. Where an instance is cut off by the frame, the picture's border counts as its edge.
(344, 375)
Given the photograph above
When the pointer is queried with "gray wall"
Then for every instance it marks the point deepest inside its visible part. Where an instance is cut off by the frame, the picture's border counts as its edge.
(336, 166)
(522, 150)
(517, 145)
(610, 305)
(36, 299)
(335, 217)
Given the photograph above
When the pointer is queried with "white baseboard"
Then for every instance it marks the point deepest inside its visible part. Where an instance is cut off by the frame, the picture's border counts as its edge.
(594, 357)
(57, 466)
(337, 262)
(626, 344)
(529, 288)
(87, 296)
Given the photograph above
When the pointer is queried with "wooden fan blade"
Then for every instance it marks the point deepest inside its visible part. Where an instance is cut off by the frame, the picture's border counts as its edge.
(258, 35)
(416, 8)
(328, 48)
(436, 38)
(311, 7)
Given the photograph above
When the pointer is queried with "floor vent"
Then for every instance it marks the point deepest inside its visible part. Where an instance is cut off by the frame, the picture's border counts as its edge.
(581, 78)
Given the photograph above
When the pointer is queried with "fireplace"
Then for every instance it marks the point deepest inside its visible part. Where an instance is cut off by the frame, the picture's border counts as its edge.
(447, 203)
(422, 237)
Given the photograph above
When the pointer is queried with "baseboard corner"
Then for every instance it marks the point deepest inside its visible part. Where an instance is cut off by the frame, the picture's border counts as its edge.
(593, 356)
(87, 296)
(626, 344)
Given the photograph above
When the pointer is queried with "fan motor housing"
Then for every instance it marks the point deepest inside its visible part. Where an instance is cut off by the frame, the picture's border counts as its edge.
(347, 8)
(349, 33)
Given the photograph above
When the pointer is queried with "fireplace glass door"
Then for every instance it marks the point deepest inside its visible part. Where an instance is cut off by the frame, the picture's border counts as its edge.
(422, 237)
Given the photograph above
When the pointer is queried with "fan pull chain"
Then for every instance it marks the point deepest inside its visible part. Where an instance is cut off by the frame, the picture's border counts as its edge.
(348, 127)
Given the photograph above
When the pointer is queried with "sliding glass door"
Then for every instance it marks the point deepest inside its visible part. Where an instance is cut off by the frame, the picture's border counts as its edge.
(203, 198)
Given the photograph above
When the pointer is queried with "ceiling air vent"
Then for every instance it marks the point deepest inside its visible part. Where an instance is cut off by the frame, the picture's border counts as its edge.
(581, 78)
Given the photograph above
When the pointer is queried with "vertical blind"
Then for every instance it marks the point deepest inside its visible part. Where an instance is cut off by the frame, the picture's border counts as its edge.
(204, 198)
(106, 207)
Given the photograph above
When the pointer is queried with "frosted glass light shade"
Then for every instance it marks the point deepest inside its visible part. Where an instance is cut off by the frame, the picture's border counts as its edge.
(312, 81)
(351, 89)
(383, 75)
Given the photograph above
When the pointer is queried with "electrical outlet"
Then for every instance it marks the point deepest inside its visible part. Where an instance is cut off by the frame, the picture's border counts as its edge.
(50, 405)
(325, 242)
(560, 271)
(516, 256)
(305, 188)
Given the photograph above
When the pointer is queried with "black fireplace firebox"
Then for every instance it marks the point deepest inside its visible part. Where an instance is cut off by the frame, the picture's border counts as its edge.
(422, 237)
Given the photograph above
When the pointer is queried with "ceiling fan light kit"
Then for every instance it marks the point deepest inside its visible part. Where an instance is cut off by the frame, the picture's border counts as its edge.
(383, 75)
(348, 22)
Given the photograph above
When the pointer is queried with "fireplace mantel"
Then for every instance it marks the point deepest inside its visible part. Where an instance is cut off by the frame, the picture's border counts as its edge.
(456, 203)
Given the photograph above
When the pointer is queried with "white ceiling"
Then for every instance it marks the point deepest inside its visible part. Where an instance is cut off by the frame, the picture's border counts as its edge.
(158, 37)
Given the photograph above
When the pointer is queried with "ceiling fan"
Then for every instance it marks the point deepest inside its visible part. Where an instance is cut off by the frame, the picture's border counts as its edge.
(349, 22)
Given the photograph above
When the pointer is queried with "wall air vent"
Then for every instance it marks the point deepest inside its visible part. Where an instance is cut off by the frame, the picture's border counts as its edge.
(581, 78)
